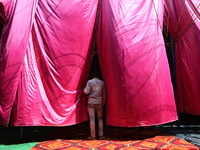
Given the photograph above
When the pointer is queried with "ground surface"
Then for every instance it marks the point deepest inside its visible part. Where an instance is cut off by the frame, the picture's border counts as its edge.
(17, 138)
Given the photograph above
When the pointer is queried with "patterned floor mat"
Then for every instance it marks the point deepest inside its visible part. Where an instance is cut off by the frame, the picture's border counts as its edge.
(75, 138)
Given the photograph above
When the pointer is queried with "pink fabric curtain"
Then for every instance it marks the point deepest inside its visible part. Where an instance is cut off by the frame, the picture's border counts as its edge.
(182, 19)
(45, 59)
(46, 51)
(134, 63)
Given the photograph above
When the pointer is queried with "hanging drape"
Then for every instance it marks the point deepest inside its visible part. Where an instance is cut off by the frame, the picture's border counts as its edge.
(134, 63)
(182, 19)
(46, 51)
(45, 59)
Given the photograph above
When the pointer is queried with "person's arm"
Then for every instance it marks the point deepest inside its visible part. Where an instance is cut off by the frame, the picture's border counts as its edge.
(86, 90)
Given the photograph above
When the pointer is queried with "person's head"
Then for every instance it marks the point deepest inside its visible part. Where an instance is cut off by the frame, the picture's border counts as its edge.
(96, 73)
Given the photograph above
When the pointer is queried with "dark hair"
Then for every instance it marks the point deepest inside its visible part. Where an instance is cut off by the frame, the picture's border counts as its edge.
(96, 73)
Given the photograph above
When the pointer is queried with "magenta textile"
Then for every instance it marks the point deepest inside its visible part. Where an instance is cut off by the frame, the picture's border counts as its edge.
(182, 18)
(45, 57)
(134, 63)
(45, 60)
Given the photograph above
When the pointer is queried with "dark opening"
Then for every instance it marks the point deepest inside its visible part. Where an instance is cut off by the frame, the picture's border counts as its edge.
(170, 50)
(95, 66)
(1, 18)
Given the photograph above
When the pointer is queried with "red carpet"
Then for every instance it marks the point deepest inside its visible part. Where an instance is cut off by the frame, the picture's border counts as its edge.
(75, 138)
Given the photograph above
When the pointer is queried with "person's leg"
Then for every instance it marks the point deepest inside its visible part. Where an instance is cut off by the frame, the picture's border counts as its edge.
(91, 113)
(100, 120)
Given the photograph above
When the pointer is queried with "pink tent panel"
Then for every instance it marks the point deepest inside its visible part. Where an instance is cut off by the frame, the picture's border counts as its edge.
(134, 64)
(183, 22)
(45, 62)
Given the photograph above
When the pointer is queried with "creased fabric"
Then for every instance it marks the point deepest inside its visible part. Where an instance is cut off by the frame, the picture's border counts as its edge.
(46, 51)
(182, 19)
(134, 63)
(45, 60)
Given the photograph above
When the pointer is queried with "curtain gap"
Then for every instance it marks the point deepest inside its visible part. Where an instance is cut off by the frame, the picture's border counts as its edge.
(2, 13)
(95, 67)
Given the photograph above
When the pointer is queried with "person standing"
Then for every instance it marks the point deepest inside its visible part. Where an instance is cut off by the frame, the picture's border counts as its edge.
(95, 89)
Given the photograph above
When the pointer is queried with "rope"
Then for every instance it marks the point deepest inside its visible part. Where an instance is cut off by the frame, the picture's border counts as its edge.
(125, 13)
(186, 27)
(182, 8)
(97, 20)
(167, 22)
(188, 23)
(193, 8)
(157, 15)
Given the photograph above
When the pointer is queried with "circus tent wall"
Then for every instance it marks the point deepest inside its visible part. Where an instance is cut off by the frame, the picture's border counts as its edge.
(182, 19)
(45, 59)
(46, 54)
(134, 64)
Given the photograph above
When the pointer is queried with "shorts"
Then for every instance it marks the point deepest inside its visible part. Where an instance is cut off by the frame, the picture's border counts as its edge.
(97, 107)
